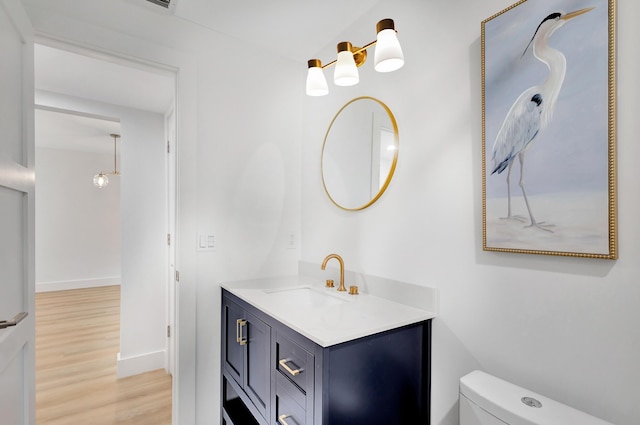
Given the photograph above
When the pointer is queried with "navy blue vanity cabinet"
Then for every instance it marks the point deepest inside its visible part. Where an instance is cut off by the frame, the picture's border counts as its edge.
(383, 378)
(246, 349)
(379, 379)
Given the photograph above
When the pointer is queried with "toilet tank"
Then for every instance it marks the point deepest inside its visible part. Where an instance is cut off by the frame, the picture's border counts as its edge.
(487, 400)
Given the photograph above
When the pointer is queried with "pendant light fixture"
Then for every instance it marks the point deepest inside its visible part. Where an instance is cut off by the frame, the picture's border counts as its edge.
(101, 180)
(388, 57)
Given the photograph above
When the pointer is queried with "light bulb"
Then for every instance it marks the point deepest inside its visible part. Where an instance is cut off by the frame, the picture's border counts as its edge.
(100, 180)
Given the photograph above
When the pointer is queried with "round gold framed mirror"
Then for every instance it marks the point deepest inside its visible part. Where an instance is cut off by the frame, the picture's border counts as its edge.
(359, 153)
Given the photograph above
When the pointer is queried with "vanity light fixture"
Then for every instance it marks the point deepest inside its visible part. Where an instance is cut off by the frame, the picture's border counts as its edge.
(388, 57)
(101, 180)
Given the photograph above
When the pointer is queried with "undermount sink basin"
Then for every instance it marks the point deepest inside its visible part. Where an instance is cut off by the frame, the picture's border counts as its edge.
(305, 297)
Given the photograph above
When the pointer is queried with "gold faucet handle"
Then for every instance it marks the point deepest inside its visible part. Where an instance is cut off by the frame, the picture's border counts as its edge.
(353, 290)
(330, 283)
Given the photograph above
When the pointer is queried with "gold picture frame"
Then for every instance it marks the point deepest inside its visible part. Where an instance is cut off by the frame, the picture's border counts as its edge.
(548, 129)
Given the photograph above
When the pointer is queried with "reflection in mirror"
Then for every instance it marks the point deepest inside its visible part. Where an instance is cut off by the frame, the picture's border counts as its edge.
(360, 153)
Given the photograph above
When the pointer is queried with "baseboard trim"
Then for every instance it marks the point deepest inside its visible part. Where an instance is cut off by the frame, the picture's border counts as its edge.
(76, 284)
(143, 363)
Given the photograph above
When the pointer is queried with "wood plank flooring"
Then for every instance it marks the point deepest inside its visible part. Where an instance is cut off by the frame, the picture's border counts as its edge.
(77, 341)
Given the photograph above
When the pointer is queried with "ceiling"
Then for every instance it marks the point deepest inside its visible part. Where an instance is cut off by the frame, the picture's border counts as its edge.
(58, 130)
(85, 77)
(294, 29)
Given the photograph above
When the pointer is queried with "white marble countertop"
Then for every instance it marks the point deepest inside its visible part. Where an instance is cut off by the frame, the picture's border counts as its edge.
(324, 315)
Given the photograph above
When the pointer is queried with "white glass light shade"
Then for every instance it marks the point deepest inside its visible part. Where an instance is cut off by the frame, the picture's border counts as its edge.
(346, 72)
(100, 180)
(388, 56)
(316, 82)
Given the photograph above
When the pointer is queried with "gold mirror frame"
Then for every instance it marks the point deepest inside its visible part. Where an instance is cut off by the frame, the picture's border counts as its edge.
(394, 162)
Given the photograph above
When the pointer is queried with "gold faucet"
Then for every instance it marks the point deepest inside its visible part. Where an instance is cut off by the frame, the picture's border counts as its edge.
(341, 288)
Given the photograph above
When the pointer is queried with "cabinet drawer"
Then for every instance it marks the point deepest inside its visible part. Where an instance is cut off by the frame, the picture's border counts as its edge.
(294, 362)
(288, 412)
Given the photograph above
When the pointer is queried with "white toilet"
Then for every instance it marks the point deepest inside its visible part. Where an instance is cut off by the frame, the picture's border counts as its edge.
(487, 400)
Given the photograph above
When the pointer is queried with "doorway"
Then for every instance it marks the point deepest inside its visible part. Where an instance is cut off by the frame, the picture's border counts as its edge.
(140, 99)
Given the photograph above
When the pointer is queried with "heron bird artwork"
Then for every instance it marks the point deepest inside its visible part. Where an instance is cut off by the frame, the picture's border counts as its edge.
(548, 140)
(533, 110)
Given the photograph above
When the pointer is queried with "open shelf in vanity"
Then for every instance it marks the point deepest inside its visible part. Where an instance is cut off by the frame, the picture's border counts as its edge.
(276, 372)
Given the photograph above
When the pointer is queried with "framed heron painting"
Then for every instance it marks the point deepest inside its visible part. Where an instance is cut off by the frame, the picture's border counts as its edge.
(548, 129)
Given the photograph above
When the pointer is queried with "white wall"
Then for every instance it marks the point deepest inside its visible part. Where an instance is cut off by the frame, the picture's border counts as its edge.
(77, 225)
(248, 187)
(564, 327)
(143, 313)
(143, 230)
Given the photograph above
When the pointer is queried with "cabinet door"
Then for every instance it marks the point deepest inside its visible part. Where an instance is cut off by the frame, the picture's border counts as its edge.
(257, 379)
(246, 353)
(233, 352)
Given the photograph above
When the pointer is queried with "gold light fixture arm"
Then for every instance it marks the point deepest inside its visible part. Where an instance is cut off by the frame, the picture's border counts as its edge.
(384, 24)
(359, 55)
(387, 57)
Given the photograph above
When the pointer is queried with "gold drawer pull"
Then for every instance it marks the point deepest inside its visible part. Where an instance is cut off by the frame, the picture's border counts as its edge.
(240, 339)
(293, 372)
(282, 418)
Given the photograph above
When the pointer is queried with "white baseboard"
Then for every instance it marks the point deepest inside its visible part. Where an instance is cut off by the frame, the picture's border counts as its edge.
(141, 364)
(76, 284)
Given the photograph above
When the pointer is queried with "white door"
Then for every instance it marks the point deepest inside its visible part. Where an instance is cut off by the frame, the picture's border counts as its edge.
(17, 281)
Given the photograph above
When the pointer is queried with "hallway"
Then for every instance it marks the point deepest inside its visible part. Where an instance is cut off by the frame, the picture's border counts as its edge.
(77, 341)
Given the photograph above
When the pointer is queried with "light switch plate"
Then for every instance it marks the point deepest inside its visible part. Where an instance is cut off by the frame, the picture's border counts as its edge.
(206, 242)
(292, 240)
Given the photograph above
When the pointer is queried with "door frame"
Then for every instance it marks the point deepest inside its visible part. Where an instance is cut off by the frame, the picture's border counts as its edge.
(171, 209)
(183, 301)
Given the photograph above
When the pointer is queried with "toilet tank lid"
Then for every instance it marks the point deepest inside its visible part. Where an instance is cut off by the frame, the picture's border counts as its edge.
(504, 401)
